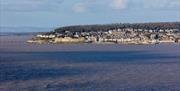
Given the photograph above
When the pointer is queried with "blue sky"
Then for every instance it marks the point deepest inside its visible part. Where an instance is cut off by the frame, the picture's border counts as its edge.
(53, 13)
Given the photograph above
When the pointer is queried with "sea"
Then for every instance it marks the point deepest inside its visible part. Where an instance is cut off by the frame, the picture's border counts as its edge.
(87, 67)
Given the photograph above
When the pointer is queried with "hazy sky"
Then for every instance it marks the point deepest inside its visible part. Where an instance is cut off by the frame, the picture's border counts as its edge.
(52, 13)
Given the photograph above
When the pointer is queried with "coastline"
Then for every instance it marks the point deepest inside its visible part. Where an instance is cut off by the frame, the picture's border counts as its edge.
(18, 43)
(89, 67)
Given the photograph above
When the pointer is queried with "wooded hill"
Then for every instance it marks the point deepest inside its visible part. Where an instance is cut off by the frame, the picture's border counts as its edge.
(106, 27)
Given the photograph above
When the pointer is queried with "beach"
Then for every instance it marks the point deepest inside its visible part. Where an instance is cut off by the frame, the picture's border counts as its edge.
(87, 67)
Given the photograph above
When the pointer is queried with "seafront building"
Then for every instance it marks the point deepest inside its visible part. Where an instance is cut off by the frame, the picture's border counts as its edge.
(124, 36)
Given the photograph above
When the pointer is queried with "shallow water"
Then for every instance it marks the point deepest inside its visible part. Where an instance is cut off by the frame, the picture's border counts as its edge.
(88, 67)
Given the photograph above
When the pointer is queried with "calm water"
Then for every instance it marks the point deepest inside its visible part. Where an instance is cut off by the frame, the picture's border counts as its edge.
(88, 67)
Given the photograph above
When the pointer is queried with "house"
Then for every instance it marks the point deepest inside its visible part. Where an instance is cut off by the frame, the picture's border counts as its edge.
(46, 36)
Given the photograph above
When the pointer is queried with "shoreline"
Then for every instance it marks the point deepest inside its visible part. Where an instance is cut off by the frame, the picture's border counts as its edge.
(90, 67)
(18, 43)
(124, 43)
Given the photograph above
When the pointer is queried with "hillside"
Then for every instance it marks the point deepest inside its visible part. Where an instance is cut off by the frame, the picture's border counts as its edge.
(106, 27)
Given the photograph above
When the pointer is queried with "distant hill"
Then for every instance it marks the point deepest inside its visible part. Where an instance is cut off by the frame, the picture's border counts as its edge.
(106, 27)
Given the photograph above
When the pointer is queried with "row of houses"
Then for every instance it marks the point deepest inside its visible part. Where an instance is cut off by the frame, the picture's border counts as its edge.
(116, 36)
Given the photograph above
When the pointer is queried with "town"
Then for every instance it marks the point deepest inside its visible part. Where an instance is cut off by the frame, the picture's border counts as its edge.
(119, 35)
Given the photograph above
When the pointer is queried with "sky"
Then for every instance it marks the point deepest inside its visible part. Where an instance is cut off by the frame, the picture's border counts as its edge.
(55, 13)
